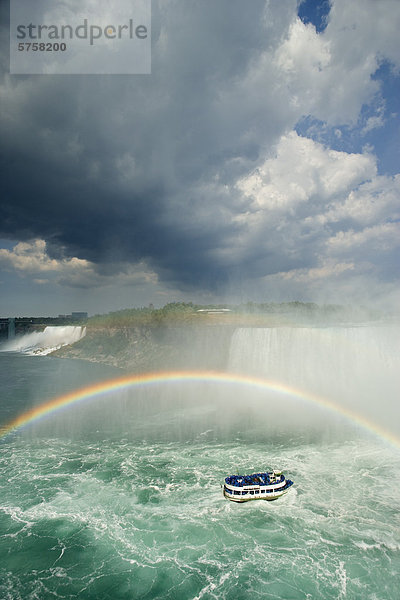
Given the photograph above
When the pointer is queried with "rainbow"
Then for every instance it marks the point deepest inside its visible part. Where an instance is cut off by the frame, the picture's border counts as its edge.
(110, 386)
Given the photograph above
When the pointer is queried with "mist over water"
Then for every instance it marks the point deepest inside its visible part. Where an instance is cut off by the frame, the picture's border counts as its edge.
(356, 367)
(119, 497)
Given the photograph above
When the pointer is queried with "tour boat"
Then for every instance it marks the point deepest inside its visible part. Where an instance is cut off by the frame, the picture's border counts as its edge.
(258, 486)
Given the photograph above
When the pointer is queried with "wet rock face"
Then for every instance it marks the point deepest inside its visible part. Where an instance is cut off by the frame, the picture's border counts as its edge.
(154, 348)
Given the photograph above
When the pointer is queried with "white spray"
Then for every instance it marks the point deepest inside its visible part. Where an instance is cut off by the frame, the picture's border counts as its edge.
(357, 367)
(44, 342)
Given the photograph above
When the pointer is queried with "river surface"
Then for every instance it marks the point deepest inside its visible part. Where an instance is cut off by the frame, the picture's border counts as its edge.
(120, 497)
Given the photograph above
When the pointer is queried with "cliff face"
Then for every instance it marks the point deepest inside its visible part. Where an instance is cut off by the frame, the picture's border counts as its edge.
(140, 349)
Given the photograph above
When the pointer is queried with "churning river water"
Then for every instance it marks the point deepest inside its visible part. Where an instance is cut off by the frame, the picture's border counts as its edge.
(119, 497)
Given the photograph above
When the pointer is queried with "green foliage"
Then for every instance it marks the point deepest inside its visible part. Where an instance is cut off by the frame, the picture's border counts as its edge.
(137, 317)
(179, 313)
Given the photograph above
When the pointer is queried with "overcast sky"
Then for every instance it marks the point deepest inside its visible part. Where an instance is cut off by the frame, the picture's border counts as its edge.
(260, 161)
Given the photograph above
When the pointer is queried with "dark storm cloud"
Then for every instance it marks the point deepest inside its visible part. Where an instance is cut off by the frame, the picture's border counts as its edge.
(115, 168)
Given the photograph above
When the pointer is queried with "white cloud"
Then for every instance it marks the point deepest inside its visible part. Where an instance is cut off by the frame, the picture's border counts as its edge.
(373, 123)
(318, 81)
(378, 238)
(198, 167)
(327, 270)
(368, 203)
(303, 169)
(362, 28)
(31, 259)
(326, 217)
(349, 284)
(328, 75)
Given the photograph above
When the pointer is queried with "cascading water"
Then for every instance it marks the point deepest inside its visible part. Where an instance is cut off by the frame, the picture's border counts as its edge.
(356, 367)
(44, 342)
(119, 497)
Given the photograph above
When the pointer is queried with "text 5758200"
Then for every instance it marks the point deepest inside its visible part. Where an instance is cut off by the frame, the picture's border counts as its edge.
(42, 47)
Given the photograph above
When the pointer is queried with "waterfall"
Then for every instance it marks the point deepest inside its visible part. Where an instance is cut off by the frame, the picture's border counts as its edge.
(44, 342)
(355, 367)
(11, 328)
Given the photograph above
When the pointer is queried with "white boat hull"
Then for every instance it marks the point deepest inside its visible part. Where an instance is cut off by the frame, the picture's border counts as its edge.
(247, 498)
(258, 486)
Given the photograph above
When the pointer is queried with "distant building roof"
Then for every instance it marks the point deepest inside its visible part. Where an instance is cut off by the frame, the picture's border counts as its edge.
(214, 311)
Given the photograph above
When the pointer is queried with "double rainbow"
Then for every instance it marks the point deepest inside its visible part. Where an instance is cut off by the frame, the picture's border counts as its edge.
(110, 386)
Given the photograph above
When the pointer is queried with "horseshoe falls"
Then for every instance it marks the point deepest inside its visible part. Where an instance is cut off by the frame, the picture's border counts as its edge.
(357, 367)
(118, 496)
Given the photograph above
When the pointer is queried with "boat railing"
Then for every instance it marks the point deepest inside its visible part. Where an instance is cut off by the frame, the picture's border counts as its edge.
(255, 480)
(288, 483)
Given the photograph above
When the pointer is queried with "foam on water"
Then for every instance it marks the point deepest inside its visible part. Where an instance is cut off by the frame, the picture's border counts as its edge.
(121, 499)
(117, 520)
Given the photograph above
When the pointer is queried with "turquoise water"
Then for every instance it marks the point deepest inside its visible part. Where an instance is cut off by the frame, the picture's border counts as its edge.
(120, 498)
